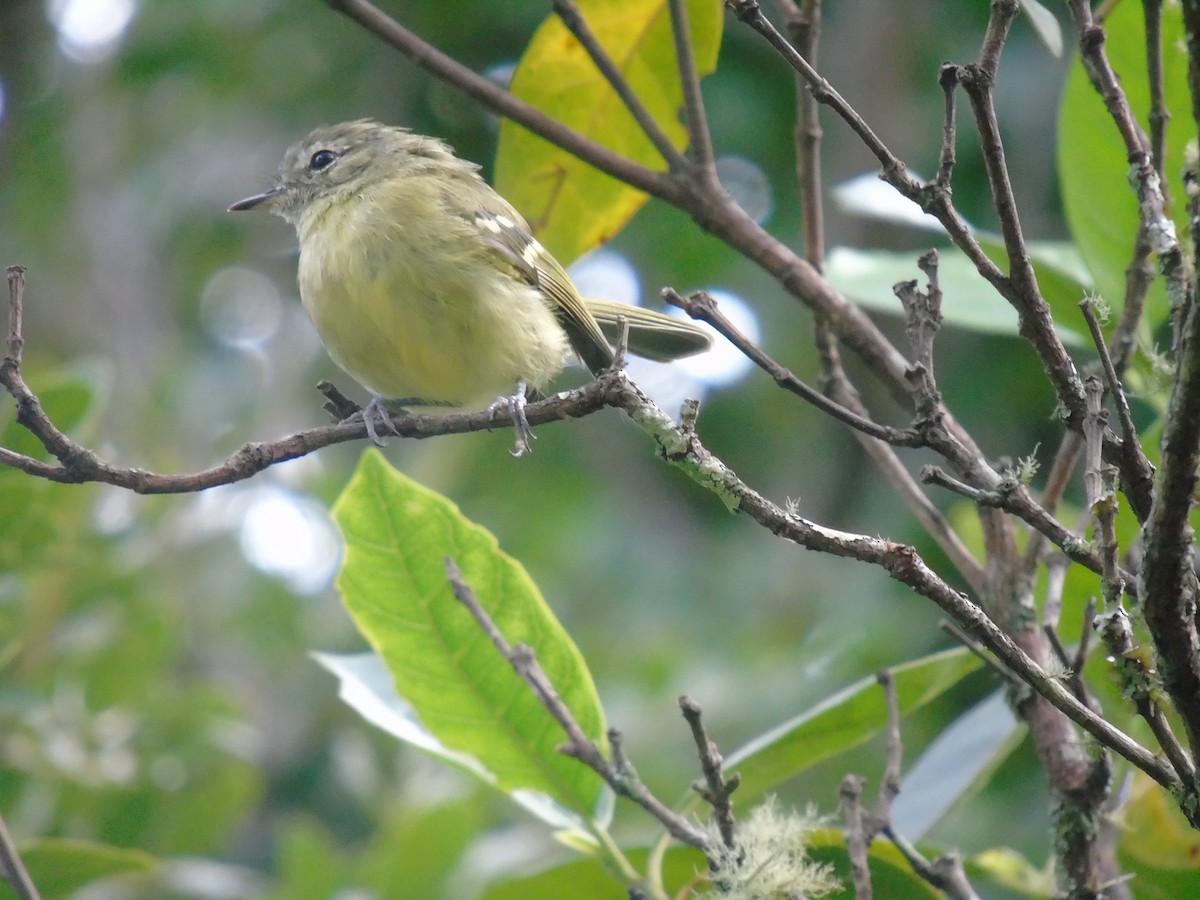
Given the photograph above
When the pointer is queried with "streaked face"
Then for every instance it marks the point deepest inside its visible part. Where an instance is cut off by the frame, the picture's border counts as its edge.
(324, 163)
(337, 160)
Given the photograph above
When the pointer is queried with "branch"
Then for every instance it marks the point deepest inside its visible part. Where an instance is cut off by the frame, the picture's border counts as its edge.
(575, 23)
(1036, 324)
(496, 98)
(1013, 497)
(703, 307)
(1020, 288)
(619, 774)
(716, 789)
(858, 842)
(12, 868)
(1169, 590)
(682, 447)
(699, 138)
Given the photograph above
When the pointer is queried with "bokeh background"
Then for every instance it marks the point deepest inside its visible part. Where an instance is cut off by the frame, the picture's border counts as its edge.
(157, 690)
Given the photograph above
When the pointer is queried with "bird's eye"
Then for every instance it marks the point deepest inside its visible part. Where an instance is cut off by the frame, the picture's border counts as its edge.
(321, 160)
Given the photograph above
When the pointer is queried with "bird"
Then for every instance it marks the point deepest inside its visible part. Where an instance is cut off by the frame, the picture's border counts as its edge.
(429, 289)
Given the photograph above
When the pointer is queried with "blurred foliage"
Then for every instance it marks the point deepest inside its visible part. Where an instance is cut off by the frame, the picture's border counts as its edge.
(158, 695)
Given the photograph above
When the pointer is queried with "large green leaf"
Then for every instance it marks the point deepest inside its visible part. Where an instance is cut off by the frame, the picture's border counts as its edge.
(393, 581)
(843, 721)
(571, 206)
(1093, 167)
(59, 867)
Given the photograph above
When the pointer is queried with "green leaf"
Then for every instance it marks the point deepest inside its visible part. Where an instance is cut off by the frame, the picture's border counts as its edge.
(891, 875)
(1093, 169)
(571, 206)
(1010, 870)
(843, 721)
(1156, 832)
(393, 582)
(59, 867)
(366, 685)
(588, 878)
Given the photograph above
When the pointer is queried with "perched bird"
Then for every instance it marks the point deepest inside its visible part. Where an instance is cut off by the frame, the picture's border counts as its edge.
(428, 288)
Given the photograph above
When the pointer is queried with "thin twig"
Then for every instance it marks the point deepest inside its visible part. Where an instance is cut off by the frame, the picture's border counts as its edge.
(12, 867)
(703, 307)
(901, 562)
(803, 23)
(575, 23)
(948, 79)
(1013, 497)
(1128, 430)
(978, 650)
(858, 842)
(889, 784)
(1160, 115)
(716, 789)
(495, 97)
(620, 774)
(699, 138)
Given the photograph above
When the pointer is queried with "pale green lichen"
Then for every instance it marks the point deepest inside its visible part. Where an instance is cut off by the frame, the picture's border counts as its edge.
(770, 859)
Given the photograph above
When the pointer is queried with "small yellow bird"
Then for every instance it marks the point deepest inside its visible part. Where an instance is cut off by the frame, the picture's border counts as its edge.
(428, 288)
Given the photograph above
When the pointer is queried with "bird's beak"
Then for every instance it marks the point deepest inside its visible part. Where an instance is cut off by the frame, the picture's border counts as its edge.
(251, 202)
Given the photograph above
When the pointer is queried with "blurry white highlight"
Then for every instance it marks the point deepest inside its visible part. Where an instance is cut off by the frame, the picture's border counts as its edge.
(748, 185)
(90, 30)
(608, 275)
(865, 195)
(288, 535)
(241, 307)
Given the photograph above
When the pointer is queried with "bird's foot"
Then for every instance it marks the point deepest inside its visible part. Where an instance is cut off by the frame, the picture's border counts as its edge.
(514, 405)
(376, 417)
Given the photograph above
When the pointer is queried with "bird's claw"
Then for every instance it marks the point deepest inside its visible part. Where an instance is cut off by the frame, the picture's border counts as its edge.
(376, 417)
(514, 405)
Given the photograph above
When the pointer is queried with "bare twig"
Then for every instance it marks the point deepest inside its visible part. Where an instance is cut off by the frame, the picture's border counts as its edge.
(716, 789)
(945, 873)
(1020, 289)
(948, 79)
(699, 138)
(1013, 497)
(575, 23)
(703, 307)
(1160, 115)
(495, 97)
(1112, 381)
(803, 23)
(901, 562)
(12, 868)
(858, 841)
(977, 649)
(620, 774)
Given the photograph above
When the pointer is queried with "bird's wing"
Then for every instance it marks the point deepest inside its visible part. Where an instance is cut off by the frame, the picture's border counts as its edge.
(508, 233)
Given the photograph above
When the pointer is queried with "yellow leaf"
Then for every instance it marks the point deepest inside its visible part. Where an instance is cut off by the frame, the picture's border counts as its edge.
(572, 207)
(1155, 831)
